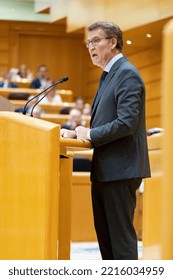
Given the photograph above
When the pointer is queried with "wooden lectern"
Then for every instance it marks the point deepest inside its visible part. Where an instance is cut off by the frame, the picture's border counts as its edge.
(35, 188)
(29, 166)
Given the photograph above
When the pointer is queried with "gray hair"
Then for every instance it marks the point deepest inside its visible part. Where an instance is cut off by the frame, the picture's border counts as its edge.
(111, 31)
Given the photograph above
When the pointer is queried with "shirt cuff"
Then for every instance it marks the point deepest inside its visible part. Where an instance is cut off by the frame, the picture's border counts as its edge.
(88, 135)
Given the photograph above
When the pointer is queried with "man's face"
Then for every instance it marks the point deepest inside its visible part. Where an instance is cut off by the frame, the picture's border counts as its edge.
(102, 49)
(42, 72)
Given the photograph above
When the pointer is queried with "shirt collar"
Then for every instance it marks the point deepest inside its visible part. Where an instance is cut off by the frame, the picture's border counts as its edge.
(112, 61)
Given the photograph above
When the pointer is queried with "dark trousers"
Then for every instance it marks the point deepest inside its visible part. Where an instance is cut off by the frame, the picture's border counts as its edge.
(113, 208)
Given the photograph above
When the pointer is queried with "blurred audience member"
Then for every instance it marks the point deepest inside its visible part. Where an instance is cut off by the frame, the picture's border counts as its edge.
(7, 81)
(21, 73)
(82, 106)
(75, 119)
(24, 73)
(42, 77)
(52, 96)
(82, 164)
(79, 103)
(87, 109)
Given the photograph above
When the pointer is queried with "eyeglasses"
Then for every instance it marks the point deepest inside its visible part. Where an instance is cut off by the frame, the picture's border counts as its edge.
(95, 42)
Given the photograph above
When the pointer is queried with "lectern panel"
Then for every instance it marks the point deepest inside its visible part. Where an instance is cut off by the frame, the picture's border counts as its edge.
(29, 165)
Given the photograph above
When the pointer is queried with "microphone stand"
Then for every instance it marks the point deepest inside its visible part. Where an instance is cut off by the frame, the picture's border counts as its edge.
(59, 82)
(62, 80)
(31, 114)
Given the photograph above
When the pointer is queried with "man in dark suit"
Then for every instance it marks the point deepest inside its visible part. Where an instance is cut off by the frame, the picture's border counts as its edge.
(118, 134)
(42, 77)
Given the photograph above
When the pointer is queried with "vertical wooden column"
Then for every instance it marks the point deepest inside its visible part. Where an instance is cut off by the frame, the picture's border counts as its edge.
(152, 198)
(64, 230)
(166, 221)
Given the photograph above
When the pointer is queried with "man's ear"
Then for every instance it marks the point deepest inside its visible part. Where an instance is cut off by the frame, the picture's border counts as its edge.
(114, 43)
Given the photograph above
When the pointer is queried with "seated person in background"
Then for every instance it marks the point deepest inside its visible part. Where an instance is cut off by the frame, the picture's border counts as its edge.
(87, 109)
(80, 105)
(42, 77)
(22, 73)
(51, 97)
(7, 81)
(75, 119)
(81, 164)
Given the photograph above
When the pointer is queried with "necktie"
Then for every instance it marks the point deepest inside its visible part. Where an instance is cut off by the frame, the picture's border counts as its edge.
(98, 95)
(102, 78)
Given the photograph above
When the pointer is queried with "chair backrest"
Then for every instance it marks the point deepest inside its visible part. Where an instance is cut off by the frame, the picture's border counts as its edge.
(6, 105)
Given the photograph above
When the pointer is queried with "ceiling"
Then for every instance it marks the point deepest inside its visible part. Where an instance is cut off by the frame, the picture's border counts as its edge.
(21, 10)
(141, 39)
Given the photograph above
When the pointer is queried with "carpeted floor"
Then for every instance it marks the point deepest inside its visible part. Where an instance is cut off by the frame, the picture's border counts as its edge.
(90, 251)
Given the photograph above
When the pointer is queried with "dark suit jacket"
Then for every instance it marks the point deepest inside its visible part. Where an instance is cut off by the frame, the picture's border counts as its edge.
(35, 83)
(118, 131)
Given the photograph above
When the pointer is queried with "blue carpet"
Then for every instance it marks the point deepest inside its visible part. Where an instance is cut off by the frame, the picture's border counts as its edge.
(90, 251)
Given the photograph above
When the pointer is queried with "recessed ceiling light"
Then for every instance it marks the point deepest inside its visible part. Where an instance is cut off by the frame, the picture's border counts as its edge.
(148, 35)
(129, 42)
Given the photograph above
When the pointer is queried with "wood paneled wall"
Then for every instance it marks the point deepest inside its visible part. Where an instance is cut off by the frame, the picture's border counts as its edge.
(65, 54)
(4, 47)
(42, 43)
(148, 63)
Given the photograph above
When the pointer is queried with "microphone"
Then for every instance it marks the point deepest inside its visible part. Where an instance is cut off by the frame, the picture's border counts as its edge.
(60, 81)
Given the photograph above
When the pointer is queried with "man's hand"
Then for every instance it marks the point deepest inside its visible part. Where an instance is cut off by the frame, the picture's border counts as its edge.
(81, 132)
(66, 133)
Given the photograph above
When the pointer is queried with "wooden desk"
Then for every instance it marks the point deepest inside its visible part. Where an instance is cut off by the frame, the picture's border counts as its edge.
(54, 108)
(62, 118)
(50, 108)
(23, 83)
(66, 95)
(5, 92)
(67, 149)
(82, 222)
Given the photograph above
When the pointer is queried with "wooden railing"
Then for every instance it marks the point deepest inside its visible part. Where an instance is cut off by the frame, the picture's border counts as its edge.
(62, 118)
(49, 108)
